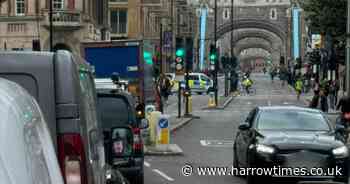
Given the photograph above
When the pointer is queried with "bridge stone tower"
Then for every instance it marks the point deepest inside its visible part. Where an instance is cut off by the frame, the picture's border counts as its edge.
(257, 25)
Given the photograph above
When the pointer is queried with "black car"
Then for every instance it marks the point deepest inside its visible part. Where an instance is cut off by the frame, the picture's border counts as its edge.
(290, 137)
(122, 132)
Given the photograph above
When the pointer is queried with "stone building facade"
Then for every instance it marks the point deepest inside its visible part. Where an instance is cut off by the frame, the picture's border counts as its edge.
(23, 22)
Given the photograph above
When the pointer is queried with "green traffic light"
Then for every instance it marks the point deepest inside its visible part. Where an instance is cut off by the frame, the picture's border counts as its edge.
(180, 52)
(212, 57)
(147, 56)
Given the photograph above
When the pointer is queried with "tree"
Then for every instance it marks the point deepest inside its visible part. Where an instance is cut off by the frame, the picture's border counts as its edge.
(327, 16)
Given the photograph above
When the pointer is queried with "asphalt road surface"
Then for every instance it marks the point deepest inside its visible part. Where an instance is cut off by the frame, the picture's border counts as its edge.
(208, 141)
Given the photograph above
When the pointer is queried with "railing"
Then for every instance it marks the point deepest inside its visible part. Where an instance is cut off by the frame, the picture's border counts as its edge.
(64, 18)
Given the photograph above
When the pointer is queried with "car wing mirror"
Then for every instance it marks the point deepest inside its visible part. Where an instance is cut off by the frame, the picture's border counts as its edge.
(244, 126)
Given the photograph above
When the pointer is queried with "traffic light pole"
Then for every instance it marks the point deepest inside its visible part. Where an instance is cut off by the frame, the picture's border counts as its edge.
(187, 87)
(216, 62)
(348, 53)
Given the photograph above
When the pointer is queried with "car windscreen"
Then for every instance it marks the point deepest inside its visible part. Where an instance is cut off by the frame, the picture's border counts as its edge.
(114, 112)
(298, 120)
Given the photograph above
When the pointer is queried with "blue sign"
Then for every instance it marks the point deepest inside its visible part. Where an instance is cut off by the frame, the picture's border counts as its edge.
(203, 25)
(296, 33)
(168, 39)
(163, 123)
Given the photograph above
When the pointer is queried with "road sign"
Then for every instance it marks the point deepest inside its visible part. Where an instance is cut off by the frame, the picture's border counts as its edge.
(163, 123)
(163, 132)
(168, 38)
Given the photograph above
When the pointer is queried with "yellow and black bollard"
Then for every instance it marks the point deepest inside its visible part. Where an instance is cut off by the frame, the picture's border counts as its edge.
(211, 102)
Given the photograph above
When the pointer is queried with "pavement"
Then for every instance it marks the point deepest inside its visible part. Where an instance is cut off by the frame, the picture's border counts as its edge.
(208, 141)
(199, 103)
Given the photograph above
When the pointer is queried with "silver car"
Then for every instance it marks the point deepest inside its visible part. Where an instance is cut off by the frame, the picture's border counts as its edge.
(27, 154)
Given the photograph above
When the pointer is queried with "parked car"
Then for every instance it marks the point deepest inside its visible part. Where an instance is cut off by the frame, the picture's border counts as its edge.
(122, 131)
(27, 154)
(290, 137)
(63, 85)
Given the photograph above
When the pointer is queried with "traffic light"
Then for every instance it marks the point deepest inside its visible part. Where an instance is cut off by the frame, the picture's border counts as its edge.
(212, 56)
(147, 56)
(156, 62)
(179, 60)
(140, 111)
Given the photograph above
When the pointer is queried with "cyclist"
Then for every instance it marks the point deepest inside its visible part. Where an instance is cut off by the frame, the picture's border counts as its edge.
(298, 87)
(247, 83)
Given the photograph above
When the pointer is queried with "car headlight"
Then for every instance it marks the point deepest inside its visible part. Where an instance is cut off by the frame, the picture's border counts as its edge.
(341, 151)
(260, 148)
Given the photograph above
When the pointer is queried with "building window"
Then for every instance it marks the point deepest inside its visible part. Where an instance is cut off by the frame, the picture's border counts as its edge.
(20, 7)
(119, 20)
(58, 4)
(226, 14)
(273, 14)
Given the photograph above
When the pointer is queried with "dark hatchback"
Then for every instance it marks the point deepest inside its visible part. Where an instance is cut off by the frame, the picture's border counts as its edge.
(121, 128)
(290, 137)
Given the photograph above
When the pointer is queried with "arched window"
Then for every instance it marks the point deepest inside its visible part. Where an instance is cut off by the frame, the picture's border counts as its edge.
(273, 14)
(226, 14)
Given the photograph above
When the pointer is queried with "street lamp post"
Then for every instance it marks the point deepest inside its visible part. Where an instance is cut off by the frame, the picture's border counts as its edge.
(216, 60)
(348, 52)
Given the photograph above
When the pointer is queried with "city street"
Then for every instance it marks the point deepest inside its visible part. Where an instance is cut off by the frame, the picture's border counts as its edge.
(208, 141)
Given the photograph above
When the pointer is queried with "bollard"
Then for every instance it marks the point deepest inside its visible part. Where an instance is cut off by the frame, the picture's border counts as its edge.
(189, 104)
(163, 130)
(211, 102)
(153, 121)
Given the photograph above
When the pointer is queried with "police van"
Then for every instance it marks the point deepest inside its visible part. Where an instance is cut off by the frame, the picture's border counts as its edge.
(198, 82)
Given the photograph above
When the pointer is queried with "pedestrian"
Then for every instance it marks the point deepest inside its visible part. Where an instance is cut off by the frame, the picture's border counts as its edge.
(164, 87)
(332, 95)
(273, 73)
(337, 88)
(344, 104)
(315, 100)
(323, 101)
(344, 118)
(283, 75)
(298, 87)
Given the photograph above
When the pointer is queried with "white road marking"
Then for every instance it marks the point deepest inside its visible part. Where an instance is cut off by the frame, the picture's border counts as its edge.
(217, 143)
(285, 103)
(269, 103)
(163, 175)
(249, 103)
(146, 164)
(203, 143)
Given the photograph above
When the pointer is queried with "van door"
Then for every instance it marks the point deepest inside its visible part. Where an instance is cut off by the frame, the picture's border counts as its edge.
(96, 152)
